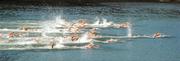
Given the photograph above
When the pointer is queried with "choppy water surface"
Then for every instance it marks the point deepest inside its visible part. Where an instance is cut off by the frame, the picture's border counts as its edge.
(146, 19)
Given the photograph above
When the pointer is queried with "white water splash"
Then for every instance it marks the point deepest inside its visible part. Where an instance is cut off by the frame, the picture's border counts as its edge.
(129, 30)
(59, 46)
(44, 30)
(103, 23)
(25, 42)
(48, 27)
(97, 22)
(84, 38)
(59, 20)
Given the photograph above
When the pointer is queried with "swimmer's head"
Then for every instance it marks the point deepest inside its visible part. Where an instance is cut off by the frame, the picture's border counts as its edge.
(82, 21)
(157, 32)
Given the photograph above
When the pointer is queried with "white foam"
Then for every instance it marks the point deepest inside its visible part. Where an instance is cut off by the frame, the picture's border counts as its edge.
(59, 20)
(99, 23)
(129, 30)
(84, 38)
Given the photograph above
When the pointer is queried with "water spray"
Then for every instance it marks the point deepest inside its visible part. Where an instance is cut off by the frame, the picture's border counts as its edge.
(129, 29)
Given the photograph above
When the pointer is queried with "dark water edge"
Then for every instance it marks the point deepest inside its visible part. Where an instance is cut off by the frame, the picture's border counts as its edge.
(101, 4)
(74, 2)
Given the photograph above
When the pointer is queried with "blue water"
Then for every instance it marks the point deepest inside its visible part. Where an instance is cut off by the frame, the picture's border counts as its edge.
(146, 18)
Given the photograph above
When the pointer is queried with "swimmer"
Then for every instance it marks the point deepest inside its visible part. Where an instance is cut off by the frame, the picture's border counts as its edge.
(74, 29)
(122, 25)
(109, 41)
(91, 45)
(157, 35)
(81, 23)
(18, 34)
(74, 37)
(11, 34)
(24, 28)
(92, 33)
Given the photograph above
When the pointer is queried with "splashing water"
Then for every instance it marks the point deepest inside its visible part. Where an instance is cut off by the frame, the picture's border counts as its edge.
(105, 22)
(48, 27)
(60, 20)
(44, 30)
(43, 34)
(129, 30)
(84, 38)
(97, 22)
(58, 44)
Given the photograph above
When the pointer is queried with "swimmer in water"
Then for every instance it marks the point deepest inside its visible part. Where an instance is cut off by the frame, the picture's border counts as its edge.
(90, 45)
(24, 28)
(109, 41)
(81, 24)
(11, 34)
(18, 34)
(74, 29)
(77, 26)
(92, 33)
(157, 35)
(122, 25)
(74, 37)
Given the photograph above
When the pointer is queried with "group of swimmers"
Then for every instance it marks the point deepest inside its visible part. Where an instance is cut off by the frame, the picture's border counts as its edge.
(92, 33)
(74, 36)
(76, 27)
